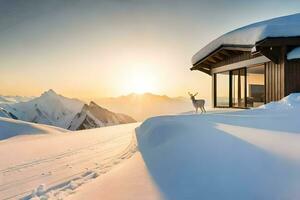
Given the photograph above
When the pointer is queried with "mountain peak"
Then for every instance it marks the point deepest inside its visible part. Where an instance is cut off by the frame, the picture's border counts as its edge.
(50, 93)
(92, 103)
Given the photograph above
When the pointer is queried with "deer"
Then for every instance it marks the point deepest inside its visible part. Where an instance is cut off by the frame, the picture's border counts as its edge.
(198, 103)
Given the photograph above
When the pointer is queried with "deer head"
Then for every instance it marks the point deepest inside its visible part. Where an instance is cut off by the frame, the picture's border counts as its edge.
(192, 95)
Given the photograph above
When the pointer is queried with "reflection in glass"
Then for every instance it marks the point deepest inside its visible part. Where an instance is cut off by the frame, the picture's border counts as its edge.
(238, 87)
(222, 89)
(255, 86)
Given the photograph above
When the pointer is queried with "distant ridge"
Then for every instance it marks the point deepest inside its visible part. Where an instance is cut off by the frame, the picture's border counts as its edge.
(142, 106)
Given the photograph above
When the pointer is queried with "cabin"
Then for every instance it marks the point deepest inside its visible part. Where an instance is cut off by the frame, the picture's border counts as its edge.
(253, 65)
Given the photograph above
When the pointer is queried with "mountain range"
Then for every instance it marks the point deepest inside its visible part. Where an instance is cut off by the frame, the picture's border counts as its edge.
(53, 109)
(73, 114)
(143, 106)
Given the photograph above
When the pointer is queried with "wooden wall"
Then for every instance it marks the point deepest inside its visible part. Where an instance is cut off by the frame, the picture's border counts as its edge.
(274, 81)
(292, 73)
(283, 78)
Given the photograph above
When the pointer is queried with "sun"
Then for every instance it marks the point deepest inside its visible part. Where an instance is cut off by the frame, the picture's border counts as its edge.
(141, 83)
(141, 79)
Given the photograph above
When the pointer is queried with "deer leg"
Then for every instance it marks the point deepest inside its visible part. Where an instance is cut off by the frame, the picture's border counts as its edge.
(201, 110)
(204, 109)
(196, 110)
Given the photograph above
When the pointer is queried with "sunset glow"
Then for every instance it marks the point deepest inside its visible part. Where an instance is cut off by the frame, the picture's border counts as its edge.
(93, 49)
(141, 79)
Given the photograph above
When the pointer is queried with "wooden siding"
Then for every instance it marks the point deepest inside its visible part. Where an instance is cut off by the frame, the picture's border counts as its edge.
(275, 75)
(292, 73)
(274, 81)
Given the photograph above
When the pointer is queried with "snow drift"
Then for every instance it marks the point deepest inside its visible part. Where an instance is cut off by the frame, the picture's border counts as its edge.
(251, 154)
(10, 128)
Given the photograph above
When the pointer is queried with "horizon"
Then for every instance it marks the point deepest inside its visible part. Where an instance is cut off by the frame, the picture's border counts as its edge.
(100, 49)
(86, 100)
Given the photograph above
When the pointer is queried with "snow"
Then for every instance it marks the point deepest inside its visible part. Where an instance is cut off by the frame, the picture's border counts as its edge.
(129, 180)
(13, 99)
(290, 102)
(53, 166)
(4, 113)
(251, 154)
(286, 26)
(243, 154)
(10, 128)
(294, 54)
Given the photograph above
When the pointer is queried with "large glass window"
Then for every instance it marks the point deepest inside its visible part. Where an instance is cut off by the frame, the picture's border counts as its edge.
(238, 87)
(222, 89)
(255, 86)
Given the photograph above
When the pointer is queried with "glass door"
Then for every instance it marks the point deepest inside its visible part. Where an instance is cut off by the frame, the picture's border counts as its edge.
(256, 86)
(238, 85)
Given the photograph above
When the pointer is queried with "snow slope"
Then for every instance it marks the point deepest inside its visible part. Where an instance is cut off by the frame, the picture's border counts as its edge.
(129, 180)
(251, 154)
(5, 113)
(286, 26)
(10, 128)
(52, 166)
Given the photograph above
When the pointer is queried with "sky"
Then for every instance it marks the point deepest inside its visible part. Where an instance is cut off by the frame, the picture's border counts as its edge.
(92, 49)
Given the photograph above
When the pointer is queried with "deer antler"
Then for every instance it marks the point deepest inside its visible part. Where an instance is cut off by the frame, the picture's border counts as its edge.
(196, 94)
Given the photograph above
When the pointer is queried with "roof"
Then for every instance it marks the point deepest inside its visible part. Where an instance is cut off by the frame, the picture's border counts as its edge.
(286, 26)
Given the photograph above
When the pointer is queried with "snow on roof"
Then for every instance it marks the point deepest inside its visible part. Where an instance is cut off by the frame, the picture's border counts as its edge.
(294, 54)
(286, 26)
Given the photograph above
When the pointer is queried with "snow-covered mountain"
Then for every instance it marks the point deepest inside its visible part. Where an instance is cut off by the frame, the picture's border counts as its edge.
(50, 108)
(56, 110)
(6, 114)
(13, 99)
(94, 116)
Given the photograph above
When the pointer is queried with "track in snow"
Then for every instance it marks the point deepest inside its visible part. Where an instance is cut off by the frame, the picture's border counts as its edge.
(64, 172)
